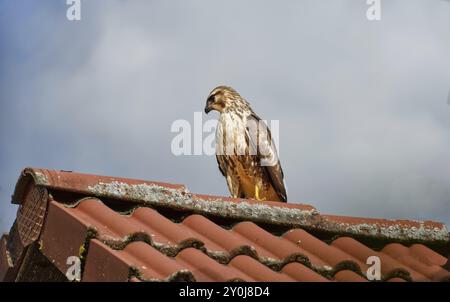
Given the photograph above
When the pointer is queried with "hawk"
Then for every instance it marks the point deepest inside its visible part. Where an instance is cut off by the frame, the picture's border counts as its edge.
(245, 152)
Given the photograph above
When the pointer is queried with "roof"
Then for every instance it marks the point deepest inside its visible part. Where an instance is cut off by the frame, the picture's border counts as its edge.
(135, 230)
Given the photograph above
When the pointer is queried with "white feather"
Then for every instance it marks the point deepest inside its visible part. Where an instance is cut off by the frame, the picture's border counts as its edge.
(234, 127)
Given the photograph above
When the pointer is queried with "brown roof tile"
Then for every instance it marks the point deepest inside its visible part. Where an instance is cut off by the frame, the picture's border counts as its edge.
(396, 280)
(348, 276)
(5, 260)
(133, 230)
(303, 273)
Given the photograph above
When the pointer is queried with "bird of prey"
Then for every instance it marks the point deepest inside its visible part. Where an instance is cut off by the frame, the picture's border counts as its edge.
(245, 152)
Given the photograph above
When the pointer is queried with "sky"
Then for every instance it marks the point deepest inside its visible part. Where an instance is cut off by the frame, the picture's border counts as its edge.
(363, 106)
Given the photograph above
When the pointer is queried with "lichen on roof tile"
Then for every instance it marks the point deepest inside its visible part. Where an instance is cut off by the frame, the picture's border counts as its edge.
(183, 199)
(393, 230)
(40, 178)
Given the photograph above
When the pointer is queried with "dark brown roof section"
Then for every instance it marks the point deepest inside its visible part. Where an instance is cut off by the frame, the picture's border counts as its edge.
(136, 230)
(5, 260)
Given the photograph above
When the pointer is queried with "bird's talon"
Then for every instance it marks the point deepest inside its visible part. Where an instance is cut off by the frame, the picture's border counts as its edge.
(257, 194)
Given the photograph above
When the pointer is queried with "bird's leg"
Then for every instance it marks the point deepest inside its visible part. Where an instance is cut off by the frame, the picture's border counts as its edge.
(257, 194)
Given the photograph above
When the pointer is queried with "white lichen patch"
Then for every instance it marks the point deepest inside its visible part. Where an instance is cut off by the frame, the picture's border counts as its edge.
(40, 178)
(394, 231)
(182, 199)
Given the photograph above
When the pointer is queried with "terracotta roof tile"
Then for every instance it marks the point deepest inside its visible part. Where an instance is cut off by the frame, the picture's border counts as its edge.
(133, 230)
(205, 268)
(427, 255)
(301, 272)
(396, 280)
(349, 276)
(404, 255)
(362, 252)
(321, 250)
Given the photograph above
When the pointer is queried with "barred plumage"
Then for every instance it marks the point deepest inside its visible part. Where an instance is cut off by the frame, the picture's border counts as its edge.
(245, 152)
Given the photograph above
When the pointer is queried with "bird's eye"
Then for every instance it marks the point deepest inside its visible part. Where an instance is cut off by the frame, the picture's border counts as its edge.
(211, 99)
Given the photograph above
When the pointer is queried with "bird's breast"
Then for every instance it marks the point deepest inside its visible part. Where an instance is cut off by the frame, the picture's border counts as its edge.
(231, 135)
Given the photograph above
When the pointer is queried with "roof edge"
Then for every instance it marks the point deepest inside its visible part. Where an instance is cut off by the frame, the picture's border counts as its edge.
(67, 181)
(178, 197)
(389, 229)
(38, 176)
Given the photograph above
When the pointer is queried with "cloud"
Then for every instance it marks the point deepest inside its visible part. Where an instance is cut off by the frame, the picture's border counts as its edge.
(364, 124)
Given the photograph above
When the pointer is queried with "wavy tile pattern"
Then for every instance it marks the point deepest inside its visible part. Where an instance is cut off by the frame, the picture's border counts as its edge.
(219, 238)
(147, 246)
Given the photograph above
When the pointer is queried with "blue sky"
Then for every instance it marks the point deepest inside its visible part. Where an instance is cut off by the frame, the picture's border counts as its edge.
(364, 119)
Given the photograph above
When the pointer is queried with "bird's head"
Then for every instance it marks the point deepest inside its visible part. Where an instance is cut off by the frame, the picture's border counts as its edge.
(223, 98)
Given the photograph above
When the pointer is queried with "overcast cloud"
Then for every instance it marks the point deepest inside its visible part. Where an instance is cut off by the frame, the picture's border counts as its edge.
(364, 118)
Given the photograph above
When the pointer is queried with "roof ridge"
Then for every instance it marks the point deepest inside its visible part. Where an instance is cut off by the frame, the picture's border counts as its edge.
(246, 236)
(178, 197)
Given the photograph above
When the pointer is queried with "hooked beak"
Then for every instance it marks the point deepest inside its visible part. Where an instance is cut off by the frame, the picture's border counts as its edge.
(209, 103)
